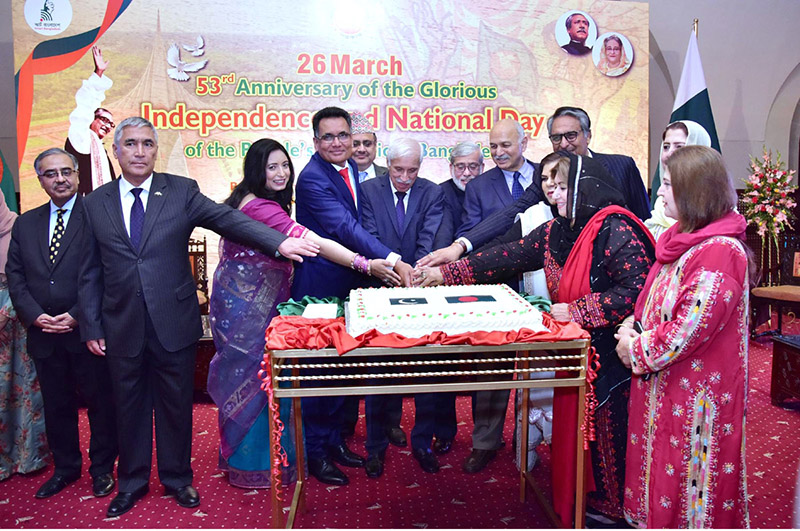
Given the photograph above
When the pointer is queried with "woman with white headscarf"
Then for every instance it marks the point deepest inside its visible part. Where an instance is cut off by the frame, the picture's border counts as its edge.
(677, 135)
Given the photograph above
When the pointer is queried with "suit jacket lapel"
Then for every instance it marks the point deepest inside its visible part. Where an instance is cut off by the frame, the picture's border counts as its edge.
(113, 207)
(155, 202)
(501, 187)
(43, 230)
(388, 203)
(73, 228)
(413, 203)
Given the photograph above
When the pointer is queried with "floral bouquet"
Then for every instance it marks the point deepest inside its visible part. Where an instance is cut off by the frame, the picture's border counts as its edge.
(768, 204)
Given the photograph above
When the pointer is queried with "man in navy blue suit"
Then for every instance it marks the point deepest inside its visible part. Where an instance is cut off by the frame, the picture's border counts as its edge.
(570, 129)
(486, 194)
(329, 199)
(404, 212)
(503, 184)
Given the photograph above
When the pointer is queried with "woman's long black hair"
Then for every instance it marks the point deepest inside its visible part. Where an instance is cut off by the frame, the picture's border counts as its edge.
(255, 175)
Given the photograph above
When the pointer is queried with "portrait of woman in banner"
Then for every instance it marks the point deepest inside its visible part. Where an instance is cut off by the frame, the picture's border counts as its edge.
(614, 54)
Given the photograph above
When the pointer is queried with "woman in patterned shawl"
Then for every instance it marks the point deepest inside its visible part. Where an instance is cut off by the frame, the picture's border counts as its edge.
(248, 286)
(686, 432)
(596, 256)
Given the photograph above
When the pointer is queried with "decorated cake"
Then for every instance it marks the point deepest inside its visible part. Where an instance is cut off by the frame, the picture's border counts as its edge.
(417, 312)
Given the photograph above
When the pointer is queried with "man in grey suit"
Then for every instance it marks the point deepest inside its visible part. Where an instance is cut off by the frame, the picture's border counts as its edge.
(365, 147)
(138, 305)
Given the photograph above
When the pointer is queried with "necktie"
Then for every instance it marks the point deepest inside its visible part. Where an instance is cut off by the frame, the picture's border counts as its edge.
(362, 176)
(516, 188)
(58, 232)
(401, 210)
(137, 218)
(346, 176)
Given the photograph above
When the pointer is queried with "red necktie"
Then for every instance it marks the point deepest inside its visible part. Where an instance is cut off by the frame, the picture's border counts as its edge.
(343, 172)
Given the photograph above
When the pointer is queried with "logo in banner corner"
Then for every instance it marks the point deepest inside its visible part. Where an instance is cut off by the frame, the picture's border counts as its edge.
(48, 17)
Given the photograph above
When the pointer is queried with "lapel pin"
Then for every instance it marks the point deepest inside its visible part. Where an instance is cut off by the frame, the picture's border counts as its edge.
(158, 193)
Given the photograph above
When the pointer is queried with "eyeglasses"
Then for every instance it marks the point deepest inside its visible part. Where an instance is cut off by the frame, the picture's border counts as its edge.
(358, 143)
(461, 167)
(328, 137)
(569, 135)
(108, 121)
(52, 174)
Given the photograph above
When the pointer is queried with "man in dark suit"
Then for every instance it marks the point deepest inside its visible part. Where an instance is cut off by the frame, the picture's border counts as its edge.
(329, 199)
(138, 305)
(404, 212)
(466, 163)
(42, 269)
(578, 31)
(506, 182)
(489, 192)
(570, 129)
(365, 147)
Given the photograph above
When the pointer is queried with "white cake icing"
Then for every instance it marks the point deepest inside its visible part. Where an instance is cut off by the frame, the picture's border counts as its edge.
(417, 312)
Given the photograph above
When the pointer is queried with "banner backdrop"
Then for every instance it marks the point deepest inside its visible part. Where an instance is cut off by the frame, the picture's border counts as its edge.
(215, 77)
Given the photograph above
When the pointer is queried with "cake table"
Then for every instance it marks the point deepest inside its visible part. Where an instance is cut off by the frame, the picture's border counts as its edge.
(300, 350)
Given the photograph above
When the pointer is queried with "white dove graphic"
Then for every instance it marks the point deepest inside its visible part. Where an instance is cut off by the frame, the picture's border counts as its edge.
(198, 49)
(178, 73)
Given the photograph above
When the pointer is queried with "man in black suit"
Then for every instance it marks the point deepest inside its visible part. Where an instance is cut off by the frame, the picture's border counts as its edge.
(466, 163)
(365, 147)
(578, 31)
(42, 269)
(404, 212)
(138, 305)
(570, 129)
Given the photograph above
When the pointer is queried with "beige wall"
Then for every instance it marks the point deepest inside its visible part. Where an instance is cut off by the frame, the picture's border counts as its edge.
(750, 53)
(751, 58)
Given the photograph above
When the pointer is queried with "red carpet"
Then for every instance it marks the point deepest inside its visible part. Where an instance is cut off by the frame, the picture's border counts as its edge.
(405, 497)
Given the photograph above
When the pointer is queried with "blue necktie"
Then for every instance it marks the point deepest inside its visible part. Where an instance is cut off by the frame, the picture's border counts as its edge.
(362, 176)
(516, 188)
(401, 210)
(137, 218)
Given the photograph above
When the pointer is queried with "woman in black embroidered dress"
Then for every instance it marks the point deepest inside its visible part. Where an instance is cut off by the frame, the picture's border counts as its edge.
(596, 256)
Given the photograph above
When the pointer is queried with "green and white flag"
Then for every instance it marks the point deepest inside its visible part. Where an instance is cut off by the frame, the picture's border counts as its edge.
(691, 101)
(7, 186)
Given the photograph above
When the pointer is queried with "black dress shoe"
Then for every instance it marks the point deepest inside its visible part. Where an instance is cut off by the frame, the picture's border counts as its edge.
(442, 446)
(477, 460)
(374, 466)
(426, 460)
(124, 501)
(54, 485)
(185, 496)
(342, 455)
(397, 436)
(326, 472)
(102, 485)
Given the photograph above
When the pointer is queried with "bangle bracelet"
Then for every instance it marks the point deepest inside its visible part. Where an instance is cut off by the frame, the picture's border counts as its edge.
(360, 264)
(369, 268)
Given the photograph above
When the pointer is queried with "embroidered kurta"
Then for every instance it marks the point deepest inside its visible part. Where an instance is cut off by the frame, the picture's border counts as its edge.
(620, 262)
(685, 455)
